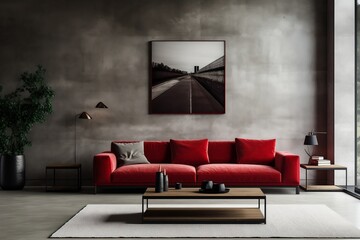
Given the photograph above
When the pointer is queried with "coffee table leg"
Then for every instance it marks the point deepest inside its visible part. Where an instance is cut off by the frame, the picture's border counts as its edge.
(265, 210)
(46, 179)
(142, 210)
(258, 203)
(54, 178)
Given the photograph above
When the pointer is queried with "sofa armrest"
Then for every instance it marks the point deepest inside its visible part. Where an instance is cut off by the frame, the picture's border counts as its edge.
(289, 166)
(103, 165)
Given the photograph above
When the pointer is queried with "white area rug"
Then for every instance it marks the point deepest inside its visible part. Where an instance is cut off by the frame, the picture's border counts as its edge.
(283, 221)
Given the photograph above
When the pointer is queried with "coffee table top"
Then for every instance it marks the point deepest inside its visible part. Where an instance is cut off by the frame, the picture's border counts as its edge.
(193, 193)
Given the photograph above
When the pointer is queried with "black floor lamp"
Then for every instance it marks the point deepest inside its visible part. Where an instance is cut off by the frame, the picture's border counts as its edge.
(86, 116)
(100, 105)
(83, 115)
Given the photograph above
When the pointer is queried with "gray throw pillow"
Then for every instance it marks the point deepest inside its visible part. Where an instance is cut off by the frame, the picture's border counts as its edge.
(129, 153)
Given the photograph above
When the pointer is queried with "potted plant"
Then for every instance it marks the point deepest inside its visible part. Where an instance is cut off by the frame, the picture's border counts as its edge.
(29, 104)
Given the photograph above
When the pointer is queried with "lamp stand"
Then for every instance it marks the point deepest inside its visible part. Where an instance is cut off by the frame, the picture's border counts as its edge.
(83, 115)
(76, 116)
(308, 151)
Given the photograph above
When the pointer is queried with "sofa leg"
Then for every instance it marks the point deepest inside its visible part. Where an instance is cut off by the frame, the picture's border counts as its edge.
(297, 189)
(95, 189)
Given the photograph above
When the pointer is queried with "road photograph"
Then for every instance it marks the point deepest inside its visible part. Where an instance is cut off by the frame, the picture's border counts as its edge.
(187, 77)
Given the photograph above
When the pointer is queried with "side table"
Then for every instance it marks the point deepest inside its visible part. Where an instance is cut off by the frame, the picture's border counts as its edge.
(54, 187)
(320, 188)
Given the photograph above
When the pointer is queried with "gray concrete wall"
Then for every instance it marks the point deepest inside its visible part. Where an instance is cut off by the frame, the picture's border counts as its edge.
(344, 88)
(95, 51)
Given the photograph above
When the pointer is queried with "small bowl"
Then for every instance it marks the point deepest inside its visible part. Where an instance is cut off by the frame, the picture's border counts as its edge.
(207, 185)
(219, 187)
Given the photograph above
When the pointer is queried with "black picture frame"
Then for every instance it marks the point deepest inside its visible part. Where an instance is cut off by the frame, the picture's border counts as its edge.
(187, 77)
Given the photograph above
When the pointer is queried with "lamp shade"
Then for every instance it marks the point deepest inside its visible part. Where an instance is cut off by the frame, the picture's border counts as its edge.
(101, 105)
(85, 115)
(310, 140)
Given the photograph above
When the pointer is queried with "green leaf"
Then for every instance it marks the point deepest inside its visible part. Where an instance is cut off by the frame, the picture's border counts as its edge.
(22, 109)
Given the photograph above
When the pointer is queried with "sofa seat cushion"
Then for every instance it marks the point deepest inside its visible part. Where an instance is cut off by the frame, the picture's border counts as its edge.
(238, 174)
(144, 174)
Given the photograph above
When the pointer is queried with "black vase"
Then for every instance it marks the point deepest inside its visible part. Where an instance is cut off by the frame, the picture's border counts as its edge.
(12, 175)
(166, 183)
(159, 182)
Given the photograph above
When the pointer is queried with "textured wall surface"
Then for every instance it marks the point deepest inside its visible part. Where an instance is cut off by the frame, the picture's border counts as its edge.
(98, 51)
(344, 88)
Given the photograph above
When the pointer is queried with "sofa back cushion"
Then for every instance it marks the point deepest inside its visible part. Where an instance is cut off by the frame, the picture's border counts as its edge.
(155, 151)
(189, 152)
(129, 153)
(218, 152)
(222, 152)
(251, 151)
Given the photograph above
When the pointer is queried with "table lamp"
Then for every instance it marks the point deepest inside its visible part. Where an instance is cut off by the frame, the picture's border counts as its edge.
(311, 140)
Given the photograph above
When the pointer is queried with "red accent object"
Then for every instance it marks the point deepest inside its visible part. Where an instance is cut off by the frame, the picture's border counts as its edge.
(284, 168)
(251, 151)
(190, 152)
(104, 164)
(288, 164)
(222, 152)
(157, 152)
(238, 174)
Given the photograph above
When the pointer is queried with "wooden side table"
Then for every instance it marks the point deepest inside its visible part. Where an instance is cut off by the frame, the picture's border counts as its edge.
(319, 188)
(54, 187)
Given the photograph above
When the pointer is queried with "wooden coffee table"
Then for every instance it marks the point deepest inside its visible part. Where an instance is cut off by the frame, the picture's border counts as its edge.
(256, 214)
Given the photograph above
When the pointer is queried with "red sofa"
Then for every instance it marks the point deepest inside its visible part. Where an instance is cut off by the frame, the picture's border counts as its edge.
(281, 171)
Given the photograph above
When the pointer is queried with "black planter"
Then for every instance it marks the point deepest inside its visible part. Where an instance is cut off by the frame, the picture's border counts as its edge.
(12, 175)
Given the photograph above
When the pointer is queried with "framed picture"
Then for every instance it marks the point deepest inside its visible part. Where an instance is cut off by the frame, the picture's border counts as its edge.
(187, 77)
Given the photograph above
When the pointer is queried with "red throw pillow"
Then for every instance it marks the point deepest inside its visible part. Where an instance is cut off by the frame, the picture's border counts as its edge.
(189, 152)
(251, 151)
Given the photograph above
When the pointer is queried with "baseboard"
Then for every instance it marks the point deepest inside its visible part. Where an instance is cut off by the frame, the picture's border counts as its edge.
(353, 191)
